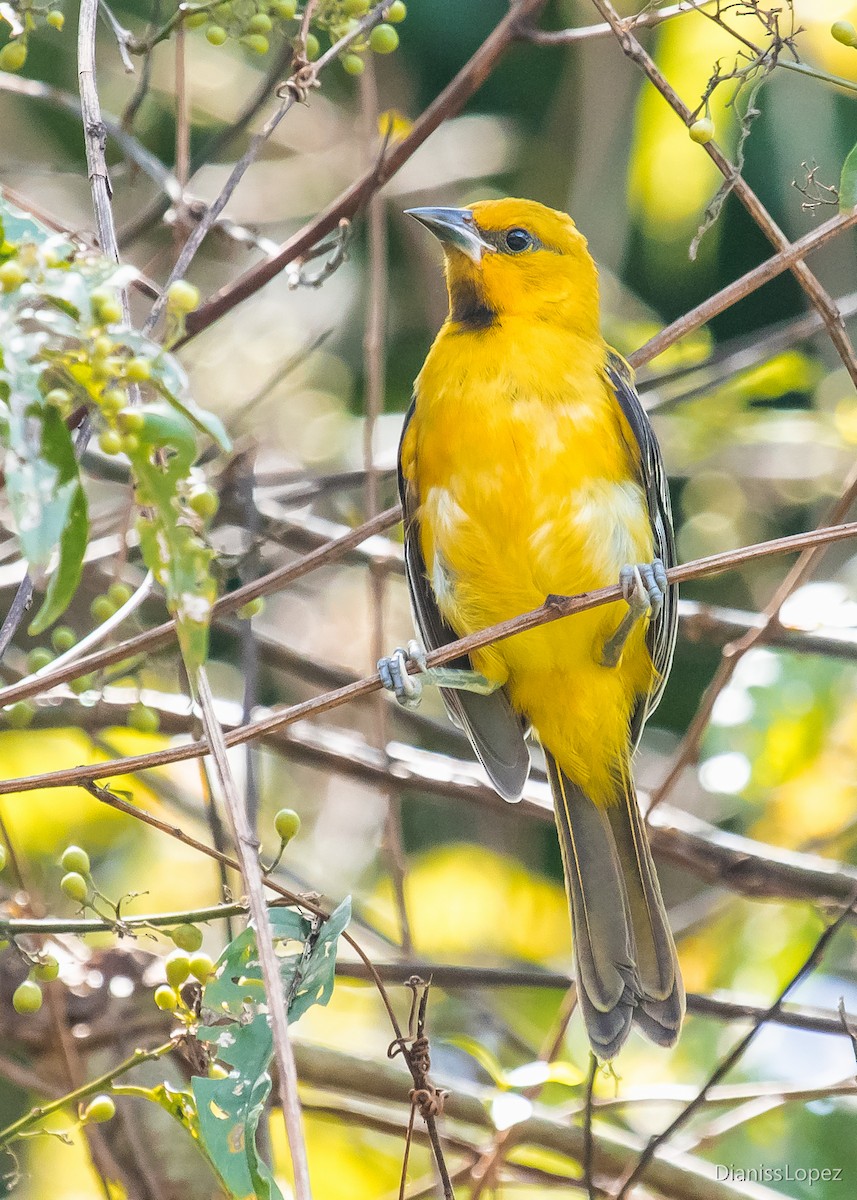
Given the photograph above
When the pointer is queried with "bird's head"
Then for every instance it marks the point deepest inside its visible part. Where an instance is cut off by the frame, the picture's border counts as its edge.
(515, 258)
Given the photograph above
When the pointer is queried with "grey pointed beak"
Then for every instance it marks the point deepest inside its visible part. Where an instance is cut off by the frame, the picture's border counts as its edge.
(454, 227)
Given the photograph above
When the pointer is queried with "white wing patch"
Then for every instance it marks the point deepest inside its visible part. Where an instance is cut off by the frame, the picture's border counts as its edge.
(615, 520)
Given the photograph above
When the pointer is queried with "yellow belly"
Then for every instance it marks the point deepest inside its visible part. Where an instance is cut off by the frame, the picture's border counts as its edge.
(523, 495)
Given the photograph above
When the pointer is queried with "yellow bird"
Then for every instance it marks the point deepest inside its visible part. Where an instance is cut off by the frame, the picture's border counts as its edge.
(528, 468)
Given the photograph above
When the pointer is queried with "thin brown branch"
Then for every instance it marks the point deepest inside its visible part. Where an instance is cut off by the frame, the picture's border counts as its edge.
(553, 609)
(734, 1056)
(450, 101)
(819, 297)
(648, 19)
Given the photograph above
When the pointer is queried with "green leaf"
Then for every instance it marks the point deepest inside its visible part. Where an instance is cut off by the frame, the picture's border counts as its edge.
(229, 1109)
(63, 582)
(848, 182)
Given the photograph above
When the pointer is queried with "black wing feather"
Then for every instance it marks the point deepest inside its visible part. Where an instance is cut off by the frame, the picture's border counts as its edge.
(495, 730)
(663, 628)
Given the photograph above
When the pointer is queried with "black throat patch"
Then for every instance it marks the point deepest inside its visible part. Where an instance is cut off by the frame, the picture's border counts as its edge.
(469, 308)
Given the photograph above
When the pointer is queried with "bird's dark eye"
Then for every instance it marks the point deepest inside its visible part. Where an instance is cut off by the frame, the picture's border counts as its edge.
(518, 240)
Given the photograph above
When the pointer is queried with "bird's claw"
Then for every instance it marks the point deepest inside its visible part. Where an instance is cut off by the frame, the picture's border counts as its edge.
(393, 669)
(644, 586)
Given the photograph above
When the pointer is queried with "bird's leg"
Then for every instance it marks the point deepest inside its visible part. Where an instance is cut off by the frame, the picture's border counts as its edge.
(644, 586)
(408, 689)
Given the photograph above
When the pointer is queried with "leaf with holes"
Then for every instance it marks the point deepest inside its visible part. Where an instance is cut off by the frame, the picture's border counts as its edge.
(229, 1109)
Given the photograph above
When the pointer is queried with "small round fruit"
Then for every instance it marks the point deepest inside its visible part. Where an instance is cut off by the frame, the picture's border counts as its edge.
(177, 968)
(106, 306)
(166, 998)
(313, 47)
(112, 400)
(74, 886)
(55, 18)
(102, 607)
(27, 997)
(216, 34)
(130, 443)
(130, 420)
(356, 8)
(397, 12)
(58, 397)
(844, 32)
(284, 9)
(119, 593)
(143, 719)
(353, 64)
(19, 715)
(83, 683)
(187, 937)
(383, 39)
(137, 369)
(260, 23)
(47, 970)
(12, 274)
(201, 967)
(204, 503)
(109, 442)
(251, 609)
(287, 824)
(75, 858)
(196, 20)
(99, 1110)
(702, 131)
(256, 42)
(13, 56)
(39, 658)
(63, 638)
(181, 295)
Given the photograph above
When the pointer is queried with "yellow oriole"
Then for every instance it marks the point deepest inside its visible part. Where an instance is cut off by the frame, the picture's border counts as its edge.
(527, 468)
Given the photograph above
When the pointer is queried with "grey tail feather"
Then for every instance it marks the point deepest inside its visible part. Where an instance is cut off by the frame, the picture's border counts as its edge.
(625, 959)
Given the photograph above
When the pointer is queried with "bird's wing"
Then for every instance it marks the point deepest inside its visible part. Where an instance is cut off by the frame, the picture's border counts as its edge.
(662, 629)
(495, 730)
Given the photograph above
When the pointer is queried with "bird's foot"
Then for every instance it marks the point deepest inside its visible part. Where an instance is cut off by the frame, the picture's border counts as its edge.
(644, 587)
(408, 689)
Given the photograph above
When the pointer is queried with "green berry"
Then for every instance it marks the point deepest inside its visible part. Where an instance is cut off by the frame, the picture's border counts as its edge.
(216, 34)
(119, 593)
(102, 607)
(39, 658)
(112, 400)
(47, 970)
(143, 719)
(353, 64)
(201, 967)
(702, 131)
(261, 23)
(130, 443)
(109, 442)
(256, 42)
(187, 937)
(55, 19)
(74, 886)
(75, 858)
(183, 296)
(196, 20)
(166, 998)
(204, 503)
(106, 306)
(138, 370)
(177, 968)
(12, 274)
(12, 58)
(27, 997)
(59, 398)
(397, 12)
(383, 39)
(130, 420)
(844, 32)
(356, 8)
(313, 47)
(287, 824)
(284, 9)
(83, 683)
(63, 638)
(99, 1110)
(19, 715)
(251, 609)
